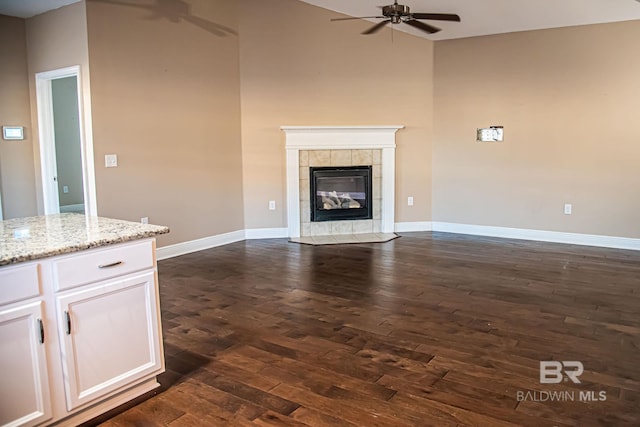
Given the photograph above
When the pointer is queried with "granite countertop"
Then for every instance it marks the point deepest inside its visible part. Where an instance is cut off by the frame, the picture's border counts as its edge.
(25, 239)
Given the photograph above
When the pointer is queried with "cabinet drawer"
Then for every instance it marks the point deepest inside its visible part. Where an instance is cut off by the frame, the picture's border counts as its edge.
(19, 283)
(100, 264)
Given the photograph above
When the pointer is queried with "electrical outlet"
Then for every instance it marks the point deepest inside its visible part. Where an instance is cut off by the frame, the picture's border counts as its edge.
(272, 205)
(144, 220)
(65, 189)
(410, 201)
(568, 208)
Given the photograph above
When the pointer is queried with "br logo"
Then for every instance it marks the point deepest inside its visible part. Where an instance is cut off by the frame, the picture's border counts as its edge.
(551, 371)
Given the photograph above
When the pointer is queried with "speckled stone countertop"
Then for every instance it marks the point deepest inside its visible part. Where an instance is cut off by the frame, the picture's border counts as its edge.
(25, 239)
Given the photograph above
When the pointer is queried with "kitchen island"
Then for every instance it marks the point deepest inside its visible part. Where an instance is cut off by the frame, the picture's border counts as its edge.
(80, 329)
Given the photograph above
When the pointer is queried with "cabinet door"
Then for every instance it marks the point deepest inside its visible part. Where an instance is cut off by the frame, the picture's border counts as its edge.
(110, 337)
(24, 388)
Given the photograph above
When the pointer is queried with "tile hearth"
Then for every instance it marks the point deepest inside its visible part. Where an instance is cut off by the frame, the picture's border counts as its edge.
(345, 239)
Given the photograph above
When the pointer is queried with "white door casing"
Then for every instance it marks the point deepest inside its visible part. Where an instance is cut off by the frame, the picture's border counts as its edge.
(47, 140)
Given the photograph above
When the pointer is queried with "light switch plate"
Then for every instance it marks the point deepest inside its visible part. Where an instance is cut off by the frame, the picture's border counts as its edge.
(111, 160)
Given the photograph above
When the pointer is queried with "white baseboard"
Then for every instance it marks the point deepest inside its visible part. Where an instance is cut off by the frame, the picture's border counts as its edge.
(539, 235)
(199, 244)
(178, 249)
(266, 233)
(413, 226)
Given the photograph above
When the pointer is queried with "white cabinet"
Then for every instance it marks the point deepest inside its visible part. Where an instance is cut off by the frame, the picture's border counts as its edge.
(24, 389)
(110, 337)
(79, 334)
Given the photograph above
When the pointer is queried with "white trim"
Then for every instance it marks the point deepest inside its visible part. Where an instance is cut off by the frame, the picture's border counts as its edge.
(183, 248)
(340, 138)
(293, 192)
(413, 226)
(86, 132)
(199, 244)
(539, 235)
(47, 143)
(388, 206)
(266, 233)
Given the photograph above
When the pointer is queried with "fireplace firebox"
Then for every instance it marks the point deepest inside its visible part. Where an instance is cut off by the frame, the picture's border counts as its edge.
(340, 193)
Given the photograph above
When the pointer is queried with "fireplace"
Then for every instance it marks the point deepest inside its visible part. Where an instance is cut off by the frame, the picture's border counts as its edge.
(340, 146)
(340, 193)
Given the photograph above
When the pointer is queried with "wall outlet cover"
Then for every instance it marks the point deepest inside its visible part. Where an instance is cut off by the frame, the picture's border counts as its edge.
(568, 208)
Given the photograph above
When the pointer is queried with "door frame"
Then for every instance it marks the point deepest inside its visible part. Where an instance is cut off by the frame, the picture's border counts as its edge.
(50, 196)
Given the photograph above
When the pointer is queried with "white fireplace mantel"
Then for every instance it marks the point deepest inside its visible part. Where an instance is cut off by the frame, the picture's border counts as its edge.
(340, 138)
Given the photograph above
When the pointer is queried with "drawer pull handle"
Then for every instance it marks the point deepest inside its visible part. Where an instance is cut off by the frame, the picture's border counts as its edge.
(67, 318)
(41, 326)
(113, 264)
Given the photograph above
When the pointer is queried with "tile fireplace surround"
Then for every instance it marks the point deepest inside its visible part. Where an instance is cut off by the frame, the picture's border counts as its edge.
(340, 146)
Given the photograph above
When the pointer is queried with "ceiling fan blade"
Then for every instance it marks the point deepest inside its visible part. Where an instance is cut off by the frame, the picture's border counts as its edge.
(377, 27)
(422, 26)
(361, 17)
(436, 16)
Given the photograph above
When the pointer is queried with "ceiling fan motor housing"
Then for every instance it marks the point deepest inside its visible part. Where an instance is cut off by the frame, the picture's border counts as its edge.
(395, 12)
(399, 13)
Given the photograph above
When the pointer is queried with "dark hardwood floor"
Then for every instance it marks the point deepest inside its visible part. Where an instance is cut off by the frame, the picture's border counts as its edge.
(428, 329)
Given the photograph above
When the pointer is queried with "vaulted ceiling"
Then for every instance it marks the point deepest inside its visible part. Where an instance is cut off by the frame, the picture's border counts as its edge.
(478, 17)
(495, 16)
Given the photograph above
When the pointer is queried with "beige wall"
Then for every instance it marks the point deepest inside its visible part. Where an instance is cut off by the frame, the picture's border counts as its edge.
(569, 100)
(194, 118)
(55, 40)
(166, 100)
(17, 177)
(306, 70)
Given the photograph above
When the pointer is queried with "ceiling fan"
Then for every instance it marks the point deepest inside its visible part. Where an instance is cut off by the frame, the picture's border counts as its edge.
(398, 13)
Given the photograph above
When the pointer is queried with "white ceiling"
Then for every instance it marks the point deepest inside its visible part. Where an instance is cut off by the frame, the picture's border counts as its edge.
(495, 16)
(29, 8)
(478, 17)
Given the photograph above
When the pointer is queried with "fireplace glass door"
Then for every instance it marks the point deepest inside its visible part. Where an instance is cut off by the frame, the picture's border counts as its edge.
(340, 193)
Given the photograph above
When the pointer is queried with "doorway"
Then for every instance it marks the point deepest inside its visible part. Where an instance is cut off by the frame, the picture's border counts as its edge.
(66, 150)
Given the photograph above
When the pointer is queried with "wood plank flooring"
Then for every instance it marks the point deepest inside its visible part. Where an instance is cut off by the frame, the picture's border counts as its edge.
(430, 329)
